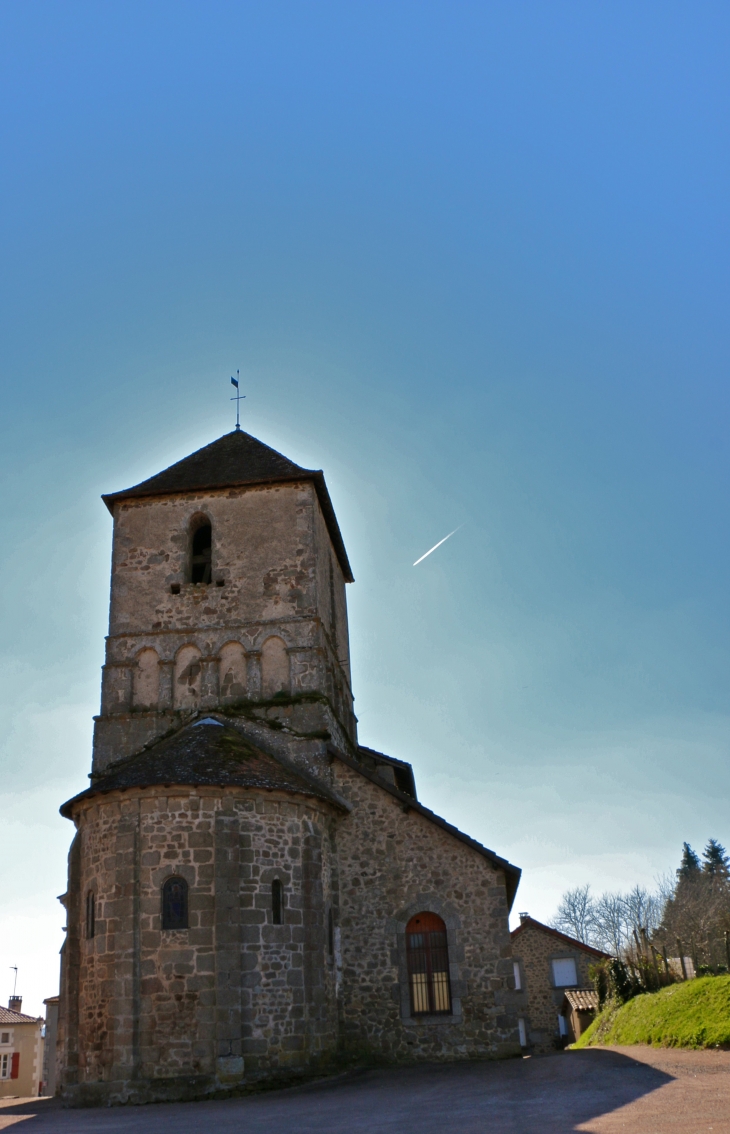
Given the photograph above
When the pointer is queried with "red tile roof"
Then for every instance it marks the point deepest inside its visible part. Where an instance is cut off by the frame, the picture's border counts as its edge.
(582, 999)
(8, 1016)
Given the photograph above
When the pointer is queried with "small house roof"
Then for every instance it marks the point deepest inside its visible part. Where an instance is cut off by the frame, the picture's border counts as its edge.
(10, 1016)
(527, 922)
(209, 752)
(236, 459)
(582, 999)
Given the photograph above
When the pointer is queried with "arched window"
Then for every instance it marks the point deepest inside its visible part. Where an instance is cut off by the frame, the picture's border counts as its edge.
(146, 679)
(428, 965)
(277, 902)
(90, 914)
(232, 672)
(274, 668)
(188, 677)
(201, 552)
(175, 904)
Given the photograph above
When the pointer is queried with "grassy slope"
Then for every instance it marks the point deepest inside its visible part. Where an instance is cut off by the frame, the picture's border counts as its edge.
(695, 1013)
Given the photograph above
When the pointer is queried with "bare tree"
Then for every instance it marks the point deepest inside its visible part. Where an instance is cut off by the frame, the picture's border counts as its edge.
(691, 906)
(609, 922)
(576, 914)
(643, 910)
(610, 925)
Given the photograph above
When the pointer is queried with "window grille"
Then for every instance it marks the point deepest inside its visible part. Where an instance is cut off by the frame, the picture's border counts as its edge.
(428, 965)
(175, 904)
(90, 914)
(277, 902)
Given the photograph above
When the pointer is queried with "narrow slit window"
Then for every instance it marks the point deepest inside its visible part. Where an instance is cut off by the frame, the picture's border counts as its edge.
(90, 914)
(330, 932)
(201, 554)
(277, 902)
(175, 904)
(428, 965)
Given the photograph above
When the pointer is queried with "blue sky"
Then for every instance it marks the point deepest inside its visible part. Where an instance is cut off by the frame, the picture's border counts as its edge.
(472, 260)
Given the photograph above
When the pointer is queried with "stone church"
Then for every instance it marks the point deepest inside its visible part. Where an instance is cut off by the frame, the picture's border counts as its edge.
(252, 894)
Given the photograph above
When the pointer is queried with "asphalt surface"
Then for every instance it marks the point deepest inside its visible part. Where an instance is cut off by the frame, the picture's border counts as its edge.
(634, 1090)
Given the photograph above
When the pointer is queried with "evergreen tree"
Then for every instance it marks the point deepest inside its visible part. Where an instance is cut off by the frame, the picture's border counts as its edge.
(716, 861)
(690, 864)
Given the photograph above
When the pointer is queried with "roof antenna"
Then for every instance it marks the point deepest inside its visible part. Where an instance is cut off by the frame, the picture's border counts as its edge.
(237, 399)
(15, 982)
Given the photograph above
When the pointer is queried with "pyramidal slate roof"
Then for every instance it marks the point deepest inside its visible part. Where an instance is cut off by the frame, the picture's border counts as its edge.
(208, 752)
(236, 459)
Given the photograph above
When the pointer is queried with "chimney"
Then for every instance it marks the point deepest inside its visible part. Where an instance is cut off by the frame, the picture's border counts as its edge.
(524, 917)
(14, 1003)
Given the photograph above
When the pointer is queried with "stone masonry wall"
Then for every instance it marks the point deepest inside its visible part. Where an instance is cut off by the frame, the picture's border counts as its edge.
(274, 575)
(535, 949)
(394, 863)
(232, 996)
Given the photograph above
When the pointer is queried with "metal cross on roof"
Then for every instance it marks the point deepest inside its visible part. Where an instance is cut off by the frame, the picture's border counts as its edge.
(237, 399)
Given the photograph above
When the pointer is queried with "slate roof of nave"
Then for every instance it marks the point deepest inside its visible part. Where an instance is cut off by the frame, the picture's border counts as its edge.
(10, 1016)
(236, 459)
(204, 754)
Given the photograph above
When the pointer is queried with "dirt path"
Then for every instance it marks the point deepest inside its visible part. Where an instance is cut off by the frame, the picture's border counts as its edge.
(634, 1090)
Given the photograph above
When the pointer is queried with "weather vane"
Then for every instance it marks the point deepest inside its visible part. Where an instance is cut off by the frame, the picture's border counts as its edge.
(237, 399)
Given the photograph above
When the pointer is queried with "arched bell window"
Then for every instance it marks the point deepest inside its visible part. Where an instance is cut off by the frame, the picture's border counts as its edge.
(427, 952)
(175, 903)
(201, 550)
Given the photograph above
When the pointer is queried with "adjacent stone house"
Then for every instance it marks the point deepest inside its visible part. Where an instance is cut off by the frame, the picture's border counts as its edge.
(547, 962)
(253, 895)
(21, 1052)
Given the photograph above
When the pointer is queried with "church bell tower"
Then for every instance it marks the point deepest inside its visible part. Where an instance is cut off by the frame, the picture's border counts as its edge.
(251, 895)
(228, 594)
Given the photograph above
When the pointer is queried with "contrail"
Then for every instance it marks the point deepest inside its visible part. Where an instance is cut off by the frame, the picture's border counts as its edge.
(438, 545)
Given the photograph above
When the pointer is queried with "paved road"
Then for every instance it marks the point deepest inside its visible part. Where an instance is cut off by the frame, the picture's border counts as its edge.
(633, 1090)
